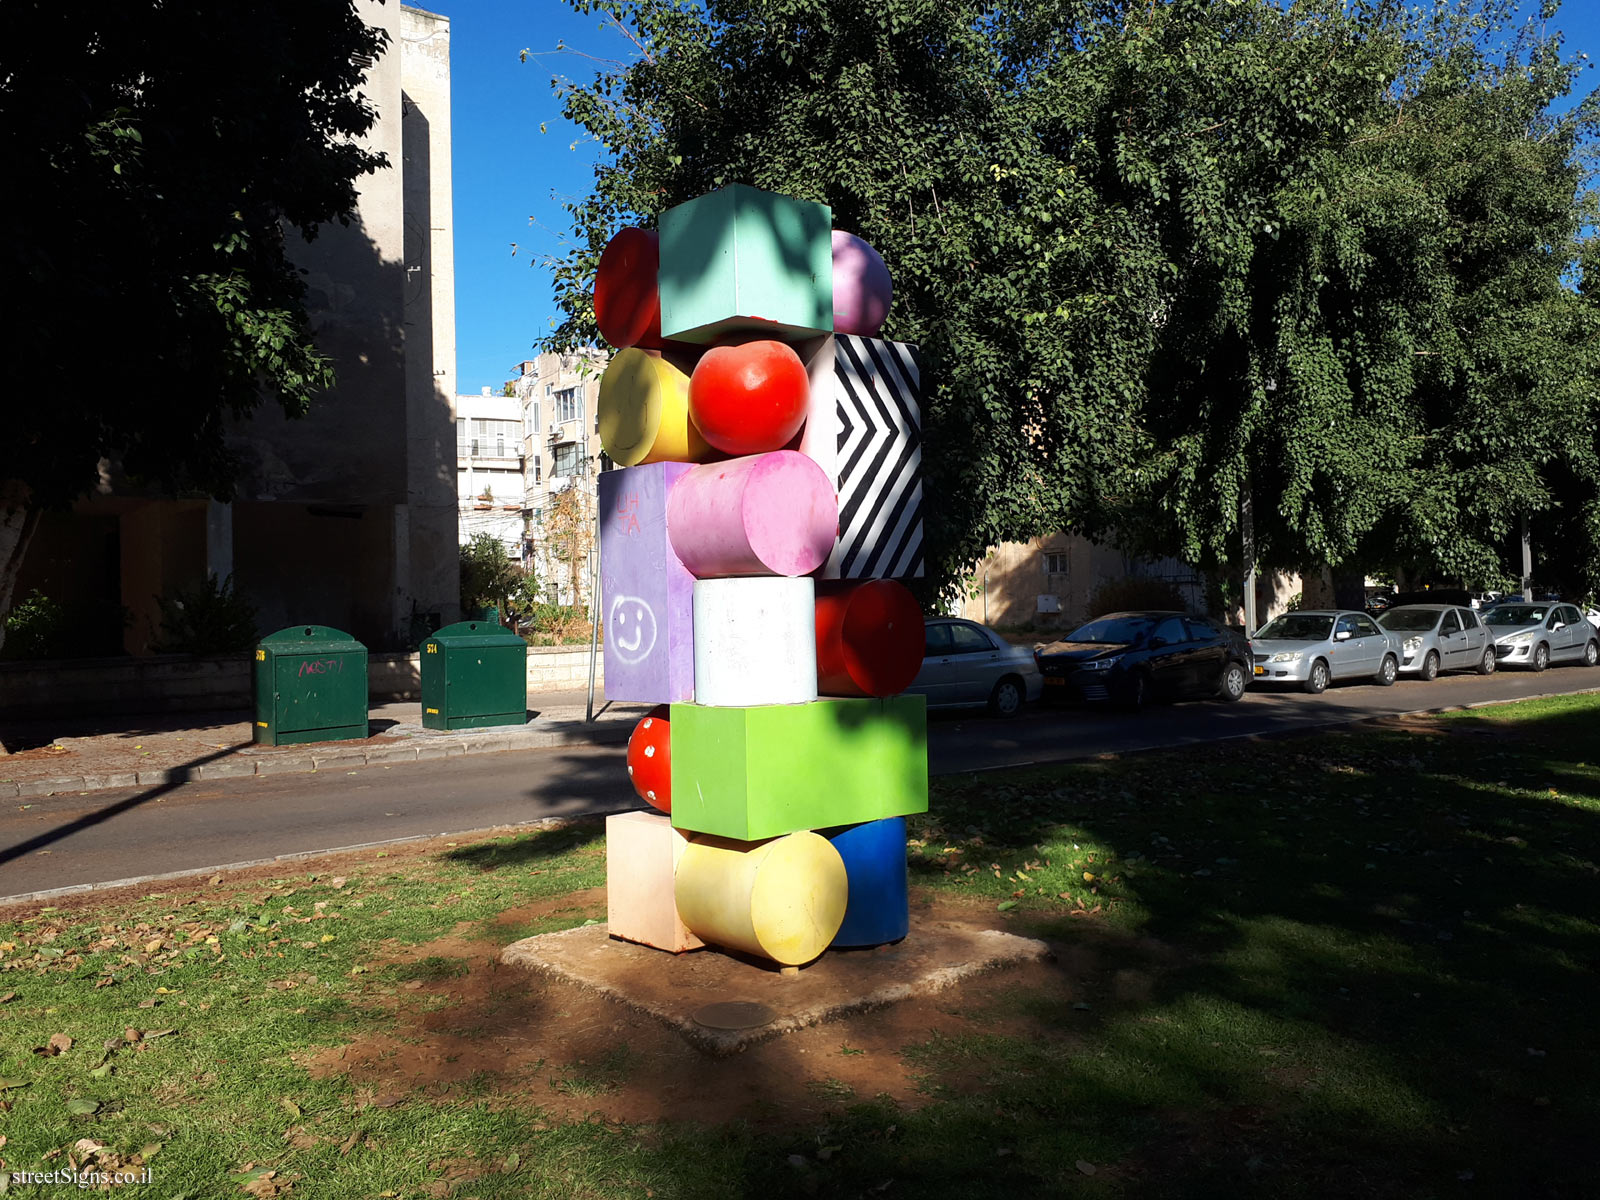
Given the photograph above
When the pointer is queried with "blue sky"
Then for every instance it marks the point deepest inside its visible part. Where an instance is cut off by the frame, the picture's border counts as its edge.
(506, 171)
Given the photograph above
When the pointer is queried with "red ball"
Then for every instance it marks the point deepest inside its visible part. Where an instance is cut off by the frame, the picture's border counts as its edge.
(627, 297)
(749, 399)
(650, 758)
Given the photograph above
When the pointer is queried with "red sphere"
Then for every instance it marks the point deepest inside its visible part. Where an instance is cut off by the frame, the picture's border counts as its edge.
(749, 399)
(650, 758)
(627, 298)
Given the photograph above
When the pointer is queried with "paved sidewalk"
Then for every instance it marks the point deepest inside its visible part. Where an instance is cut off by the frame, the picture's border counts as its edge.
(84, 754)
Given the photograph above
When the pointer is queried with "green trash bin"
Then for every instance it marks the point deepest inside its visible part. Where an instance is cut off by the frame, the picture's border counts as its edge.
(474, 673)
(310, 686)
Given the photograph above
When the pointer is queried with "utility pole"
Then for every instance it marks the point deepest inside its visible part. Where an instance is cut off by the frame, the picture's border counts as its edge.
(1247, 530)
(1527, 561)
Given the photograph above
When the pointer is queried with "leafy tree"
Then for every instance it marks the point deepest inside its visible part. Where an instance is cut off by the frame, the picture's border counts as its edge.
(150, 189)
(1162, 257)
(488, 576)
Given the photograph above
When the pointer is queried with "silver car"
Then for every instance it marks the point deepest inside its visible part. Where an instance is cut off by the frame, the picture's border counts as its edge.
(1439, 637)
(1312, 648)
(966, 665)
(1536, 635)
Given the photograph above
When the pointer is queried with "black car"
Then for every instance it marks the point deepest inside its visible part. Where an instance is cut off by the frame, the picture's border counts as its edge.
(1132, 658)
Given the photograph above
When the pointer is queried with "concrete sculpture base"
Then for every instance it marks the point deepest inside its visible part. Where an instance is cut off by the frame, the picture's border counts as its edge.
(838, 985)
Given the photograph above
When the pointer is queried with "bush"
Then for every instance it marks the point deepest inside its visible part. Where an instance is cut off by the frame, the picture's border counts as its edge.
(488, 576)
(208, 618)
(1133, 593)
(557, 624)
(36, 628)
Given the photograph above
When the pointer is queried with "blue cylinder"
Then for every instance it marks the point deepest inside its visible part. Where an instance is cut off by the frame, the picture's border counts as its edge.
(874, 856)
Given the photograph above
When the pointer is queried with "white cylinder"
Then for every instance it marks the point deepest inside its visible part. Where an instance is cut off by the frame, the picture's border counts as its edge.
(755, 641)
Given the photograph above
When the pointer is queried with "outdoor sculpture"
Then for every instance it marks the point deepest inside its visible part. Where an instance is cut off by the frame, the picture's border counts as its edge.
(756, 595)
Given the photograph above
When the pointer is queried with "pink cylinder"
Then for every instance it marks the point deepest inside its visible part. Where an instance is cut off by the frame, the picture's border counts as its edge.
(768, 514)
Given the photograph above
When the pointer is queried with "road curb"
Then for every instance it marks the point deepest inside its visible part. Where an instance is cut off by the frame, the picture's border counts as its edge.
(425, 747)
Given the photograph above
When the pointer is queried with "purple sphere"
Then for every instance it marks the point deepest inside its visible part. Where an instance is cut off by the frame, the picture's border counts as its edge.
(862, 289)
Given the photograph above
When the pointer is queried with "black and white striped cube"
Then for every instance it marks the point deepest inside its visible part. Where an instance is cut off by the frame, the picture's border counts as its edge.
(865, 429)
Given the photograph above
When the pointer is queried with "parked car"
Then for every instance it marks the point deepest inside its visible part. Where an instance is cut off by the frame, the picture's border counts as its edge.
(1136, 657)
(1312, 648)
(1536, 635)
(966, 665)
(1439, 637)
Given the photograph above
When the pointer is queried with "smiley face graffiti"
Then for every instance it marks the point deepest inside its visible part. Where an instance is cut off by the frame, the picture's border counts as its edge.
(631, 628)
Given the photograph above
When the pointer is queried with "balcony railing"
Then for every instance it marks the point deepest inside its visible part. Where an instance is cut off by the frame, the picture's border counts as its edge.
(491, 448)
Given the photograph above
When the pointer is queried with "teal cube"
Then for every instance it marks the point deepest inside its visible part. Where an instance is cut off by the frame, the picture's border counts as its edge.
(742, 259)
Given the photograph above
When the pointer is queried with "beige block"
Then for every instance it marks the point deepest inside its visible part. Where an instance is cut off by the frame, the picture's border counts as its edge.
(642, 853)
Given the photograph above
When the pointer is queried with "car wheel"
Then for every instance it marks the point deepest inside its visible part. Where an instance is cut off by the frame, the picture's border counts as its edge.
(1317, 681)
(1541, 657)
(1388, 671)
(1006, 699)
(1591, 654)
(1234, 682)
(1486, 663)
(1430, 667)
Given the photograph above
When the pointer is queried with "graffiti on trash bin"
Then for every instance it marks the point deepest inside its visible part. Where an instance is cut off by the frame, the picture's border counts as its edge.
(322, 666)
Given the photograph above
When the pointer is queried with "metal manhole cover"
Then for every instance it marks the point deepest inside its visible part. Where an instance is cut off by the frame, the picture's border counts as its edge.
(734, 1014)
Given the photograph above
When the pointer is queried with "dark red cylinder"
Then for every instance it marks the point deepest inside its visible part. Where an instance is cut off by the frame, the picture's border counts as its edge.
(869, 638)
(627, 294)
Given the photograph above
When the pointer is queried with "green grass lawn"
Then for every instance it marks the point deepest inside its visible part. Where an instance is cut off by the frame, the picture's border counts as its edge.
(1354, 964)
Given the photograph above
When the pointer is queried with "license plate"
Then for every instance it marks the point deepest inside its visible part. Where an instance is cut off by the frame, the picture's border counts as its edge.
(1054, 681)
(1261, 670)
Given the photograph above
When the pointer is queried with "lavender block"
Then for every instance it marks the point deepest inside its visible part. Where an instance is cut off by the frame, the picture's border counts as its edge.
(647, 595)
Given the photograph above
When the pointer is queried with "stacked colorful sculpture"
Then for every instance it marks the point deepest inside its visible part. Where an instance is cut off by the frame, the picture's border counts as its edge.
(769, 498)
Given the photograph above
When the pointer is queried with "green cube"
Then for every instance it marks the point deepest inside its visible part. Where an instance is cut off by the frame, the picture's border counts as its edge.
(752, 773)
(739, 258)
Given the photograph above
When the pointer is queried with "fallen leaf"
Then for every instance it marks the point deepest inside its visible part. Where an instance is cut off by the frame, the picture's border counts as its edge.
(130, 1034)
(8, 997)
(83, 1108)
(150, 1003)
(101, 1071)
(150, 1151)
(152, 946)
(88, 1146)
(413, 985)
(60, 1042)
(151, 1035)
(292, 1108)
(1088, 1168)
(351, 1142)
(1006, 905)
(216, 879)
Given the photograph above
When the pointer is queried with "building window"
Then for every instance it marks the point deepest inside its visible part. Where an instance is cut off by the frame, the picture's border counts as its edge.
(566, 460)
(569, 405)
(538, 469)
(1055, 562)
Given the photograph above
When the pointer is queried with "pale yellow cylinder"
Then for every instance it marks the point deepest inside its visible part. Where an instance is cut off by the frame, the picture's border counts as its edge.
(644, 411)
(782, 899)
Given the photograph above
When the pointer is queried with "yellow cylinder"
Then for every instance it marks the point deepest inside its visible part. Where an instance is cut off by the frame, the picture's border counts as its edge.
(644, 411)
(782, 899)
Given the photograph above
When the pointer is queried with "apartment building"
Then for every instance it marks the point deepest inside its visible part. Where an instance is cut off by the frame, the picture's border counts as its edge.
(558, 396)
(490, 465)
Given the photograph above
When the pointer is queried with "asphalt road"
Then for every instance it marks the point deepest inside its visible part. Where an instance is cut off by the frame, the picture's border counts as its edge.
(63, 841)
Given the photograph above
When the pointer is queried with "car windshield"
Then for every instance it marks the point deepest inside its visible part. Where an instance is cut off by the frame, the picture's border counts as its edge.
(1515, 614)
(1118, 631)
(1409, 620)
(1298, 627)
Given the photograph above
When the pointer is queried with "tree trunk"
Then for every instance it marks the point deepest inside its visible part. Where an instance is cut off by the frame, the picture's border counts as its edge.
(18, 520)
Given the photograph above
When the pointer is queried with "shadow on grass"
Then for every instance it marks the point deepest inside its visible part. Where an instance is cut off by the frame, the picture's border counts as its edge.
(530, 847)
(1360, 963)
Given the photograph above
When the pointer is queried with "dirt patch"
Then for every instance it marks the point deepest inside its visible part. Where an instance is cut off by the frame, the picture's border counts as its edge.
(472, 1026)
